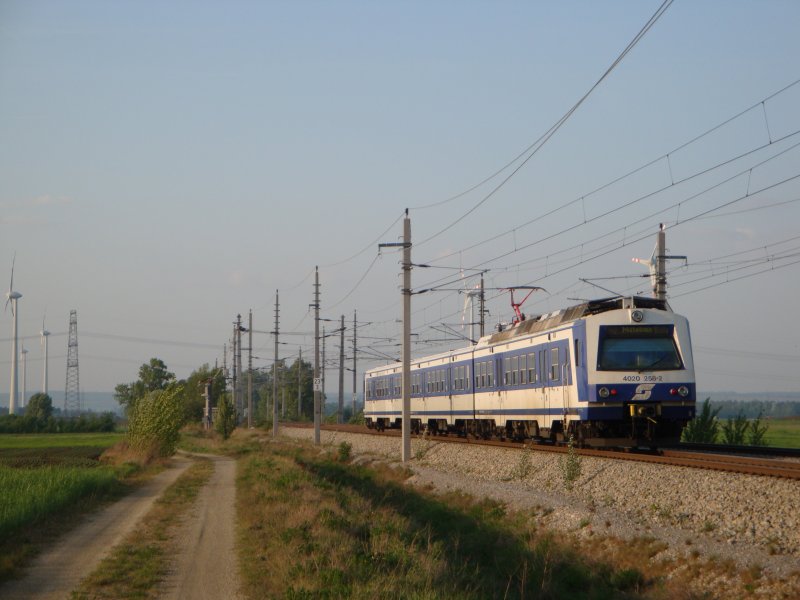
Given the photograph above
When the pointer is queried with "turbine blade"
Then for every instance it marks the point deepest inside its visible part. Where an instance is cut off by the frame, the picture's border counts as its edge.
(11, 285)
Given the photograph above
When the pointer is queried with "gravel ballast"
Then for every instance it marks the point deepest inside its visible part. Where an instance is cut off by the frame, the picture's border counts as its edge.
(750, 520)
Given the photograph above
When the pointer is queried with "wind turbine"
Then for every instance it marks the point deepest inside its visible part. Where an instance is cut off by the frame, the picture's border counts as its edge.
(23, 400)
(13, 297)
(44, 333)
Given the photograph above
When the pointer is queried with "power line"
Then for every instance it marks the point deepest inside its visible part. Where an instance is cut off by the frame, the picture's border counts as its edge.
(538, 144)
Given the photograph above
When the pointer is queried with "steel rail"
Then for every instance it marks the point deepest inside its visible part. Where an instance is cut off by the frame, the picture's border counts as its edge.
(706, 460)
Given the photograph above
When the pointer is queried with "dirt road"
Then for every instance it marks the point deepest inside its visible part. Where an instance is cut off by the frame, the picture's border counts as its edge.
(57, 571)
(206, 567)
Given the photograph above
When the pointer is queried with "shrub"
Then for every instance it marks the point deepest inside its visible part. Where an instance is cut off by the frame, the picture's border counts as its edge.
(571, 465)
(225, 419)
(735, 430)
(704, 428)
(154, 422)
(345, 451)
(758, 431)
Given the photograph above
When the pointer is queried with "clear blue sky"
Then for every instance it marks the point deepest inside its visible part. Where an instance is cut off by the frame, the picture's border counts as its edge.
(165, 165)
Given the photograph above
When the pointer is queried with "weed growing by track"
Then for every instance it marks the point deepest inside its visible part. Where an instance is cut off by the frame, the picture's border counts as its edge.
(314, 526)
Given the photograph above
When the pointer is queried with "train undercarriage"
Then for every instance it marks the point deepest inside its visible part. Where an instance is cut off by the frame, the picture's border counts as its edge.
(636, 431)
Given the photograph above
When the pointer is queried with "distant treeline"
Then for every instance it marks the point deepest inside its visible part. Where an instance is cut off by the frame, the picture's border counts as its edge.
(85, 423)
(769, 409)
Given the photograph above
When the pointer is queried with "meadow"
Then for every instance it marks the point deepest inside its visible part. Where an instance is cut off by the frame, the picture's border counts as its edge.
(784, 433)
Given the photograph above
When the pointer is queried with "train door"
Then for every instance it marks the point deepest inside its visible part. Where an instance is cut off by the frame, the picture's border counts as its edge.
(543, 374)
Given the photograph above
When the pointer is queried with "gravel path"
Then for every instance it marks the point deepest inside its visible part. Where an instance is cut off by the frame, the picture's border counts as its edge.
(753, 521)
(57, 571)
(206, 566)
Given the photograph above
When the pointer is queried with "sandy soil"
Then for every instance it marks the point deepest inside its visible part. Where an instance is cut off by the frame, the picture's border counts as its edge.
(206, 566)
(58, 570)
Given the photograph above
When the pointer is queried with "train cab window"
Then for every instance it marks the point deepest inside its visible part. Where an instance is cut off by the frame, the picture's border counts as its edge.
(555, 373)
(532, 368)
(638, 348)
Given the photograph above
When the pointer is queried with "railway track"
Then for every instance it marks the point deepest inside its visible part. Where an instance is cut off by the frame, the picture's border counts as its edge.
(708, 459)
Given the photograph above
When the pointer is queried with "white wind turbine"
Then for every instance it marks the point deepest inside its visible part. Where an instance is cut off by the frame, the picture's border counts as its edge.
(13, 297)
(23, 401)
(44, 333)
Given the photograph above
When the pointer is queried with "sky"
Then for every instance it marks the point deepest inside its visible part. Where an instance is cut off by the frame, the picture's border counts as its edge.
(165, 166)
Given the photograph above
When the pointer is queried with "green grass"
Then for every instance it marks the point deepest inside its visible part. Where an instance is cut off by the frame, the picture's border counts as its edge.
(136, 567)
(28, 495)
(316, 526)
(59, 440)
(784, 433)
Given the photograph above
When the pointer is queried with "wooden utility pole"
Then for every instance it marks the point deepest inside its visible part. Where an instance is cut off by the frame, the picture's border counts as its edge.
(275, 370)
(340, 418)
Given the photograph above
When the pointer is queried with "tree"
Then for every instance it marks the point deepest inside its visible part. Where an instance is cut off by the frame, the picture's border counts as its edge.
(225, 419)
(194, 388)
(153, 376)
(154, 422)
(704, 428)
(40, 406)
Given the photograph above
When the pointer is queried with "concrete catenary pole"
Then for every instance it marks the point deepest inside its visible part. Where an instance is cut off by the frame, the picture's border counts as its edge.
(340, 415)
(239, 391)
(250, 370)
(406, 454)
(355, 379)
(275, 370)
(406, 379)
(299, 378)
(317, 403)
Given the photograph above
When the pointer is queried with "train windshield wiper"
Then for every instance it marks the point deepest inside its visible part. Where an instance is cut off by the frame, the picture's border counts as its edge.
(653, 364)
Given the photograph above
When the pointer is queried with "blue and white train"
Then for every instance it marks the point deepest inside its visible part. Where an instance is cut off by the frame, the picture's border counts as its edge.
(611, 372)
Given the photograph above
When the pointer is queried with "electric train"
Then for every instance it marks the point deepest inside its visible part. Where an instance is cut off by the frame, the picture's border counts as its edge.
(610, 372)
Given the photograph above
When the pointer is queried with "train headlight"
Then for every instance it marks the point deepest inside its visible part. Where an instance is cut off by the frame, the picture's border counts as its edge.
(637, 316)
(683, 391)
(603, 392)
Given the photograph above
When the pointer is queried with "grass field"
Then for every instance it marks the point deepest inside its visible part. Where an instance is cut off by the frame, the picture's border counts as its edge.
(45, 481)
(59, 440)
(784, 433)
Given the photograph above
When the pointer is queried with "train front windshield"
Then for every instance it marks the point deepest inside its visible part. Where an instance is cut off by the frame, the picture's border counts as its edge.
(638, 348)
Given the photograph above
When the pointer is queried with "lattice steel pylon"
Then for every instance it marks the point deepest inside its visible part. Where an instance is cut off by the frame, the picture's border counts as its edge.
(72, 390)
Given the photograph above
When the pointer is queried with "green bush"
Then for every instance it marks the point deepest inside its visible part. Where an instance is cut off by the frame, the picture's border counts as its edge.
(154, 422)
(225, 419)
(705, 427)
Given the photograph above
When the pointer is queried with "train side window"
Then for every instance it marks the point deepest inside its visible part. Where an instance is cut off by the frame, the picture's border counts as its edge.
(555, 373)
(490, 373)
(577, 353)
(466, 377)
(507, 370)
(514, 369)
(531, 368)
(542, 367)
(523, 369)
